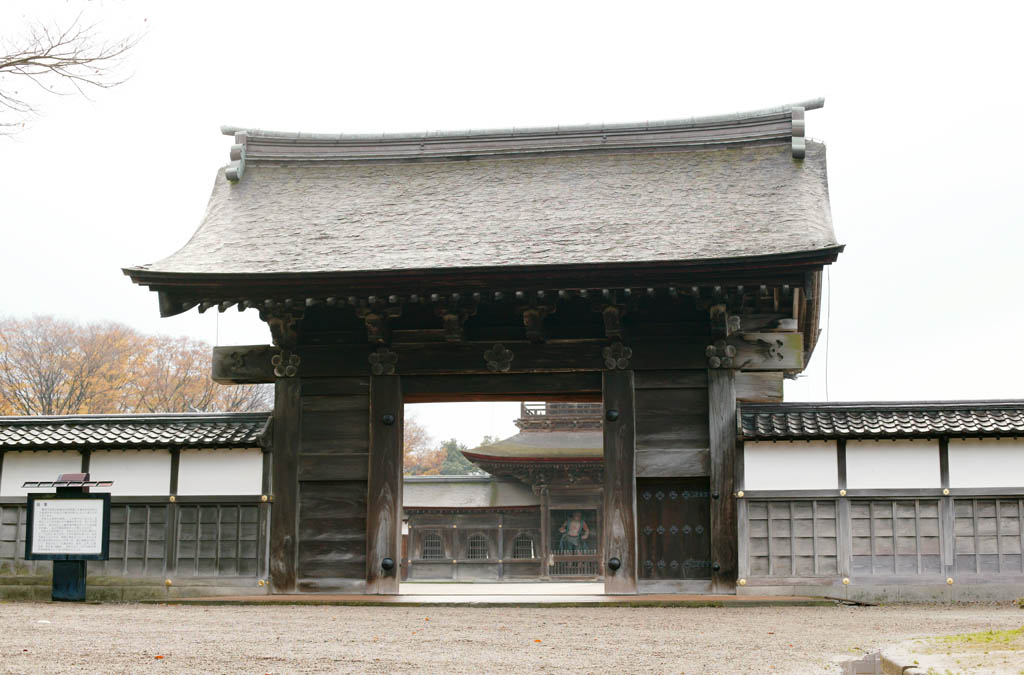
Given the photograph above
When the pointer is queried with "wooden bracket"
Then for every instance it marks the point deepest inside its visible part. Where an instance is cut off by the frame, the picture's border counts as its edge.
(612, 315)
(376, 317)
(283, 321)
(454, 317)
(723, 324)
(533, 319)
(757, 351)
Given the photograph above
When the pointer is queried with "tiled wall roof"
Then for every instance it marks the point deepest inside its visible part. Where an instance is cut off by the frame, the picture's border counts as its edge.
(781, 421)
(196, 430)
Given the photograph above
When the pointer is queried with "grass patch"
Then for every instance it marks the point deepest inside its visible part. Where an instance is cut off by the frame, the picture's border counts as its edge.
(982, 641)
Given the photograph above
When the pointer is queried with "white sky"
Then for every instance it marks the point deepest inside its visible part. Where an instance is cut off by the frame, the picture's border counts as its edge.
(921, 121)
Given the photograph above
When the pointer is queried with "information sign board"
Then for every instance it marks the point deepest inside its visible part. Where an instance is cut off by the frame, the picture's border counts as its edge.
(68, 527)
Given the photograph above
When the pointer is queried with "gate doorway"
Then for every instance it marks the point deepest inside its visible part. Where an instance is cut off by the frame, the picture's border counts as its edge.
(528, 509)
(520, 502)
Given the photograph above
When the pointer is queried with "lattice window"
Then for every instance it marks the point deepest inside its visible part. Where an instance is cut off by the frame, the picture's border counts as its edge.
(792, 538)
(137, 541)
(218, 540)
(987, 535)
(522, 547)
(895, 536)
(433, 548)
(477, 547)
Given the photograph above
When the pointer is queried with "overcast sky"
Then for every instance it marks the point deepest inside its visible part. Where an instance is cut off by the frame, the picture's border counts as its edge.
(922, 122)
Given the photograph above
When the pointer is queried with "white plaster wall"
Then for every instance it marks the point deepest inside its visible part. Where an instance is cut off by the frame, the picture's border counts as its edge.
(36, 465)
(786, 465)
(469, 493)
(989, 462)
(234, 471)
(892, 464)
(134, 472)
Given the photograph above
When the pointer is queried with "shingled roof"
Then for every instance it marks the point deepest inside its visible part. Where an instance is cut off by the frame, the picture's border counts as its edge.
(192, 430)
(704, 190)
(808, 421)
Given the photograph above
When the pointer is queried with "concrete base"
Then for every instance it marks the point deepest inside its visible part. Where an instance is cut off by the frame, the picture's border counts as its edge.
(513, 600)
(891, 593)
(129, 589)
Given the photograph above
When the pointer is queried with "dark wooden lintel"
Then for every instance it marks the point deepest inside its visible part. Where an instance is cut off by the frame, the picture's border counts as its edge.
(516, 387)
(746, 351)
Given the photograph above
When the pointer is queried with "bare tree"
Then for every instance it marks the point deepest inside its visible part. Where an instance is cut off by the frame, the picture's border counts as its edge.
(51, 366)
(54, 59)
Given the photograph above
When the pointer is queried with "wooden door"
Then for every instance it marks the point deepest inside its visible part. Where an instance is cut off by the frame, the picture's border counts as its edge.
(674, 528)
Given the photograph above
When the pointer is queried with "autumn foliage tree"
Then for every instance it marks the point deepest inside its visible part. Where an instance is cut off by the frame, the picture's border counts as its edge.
(424, 458)
(51, 366)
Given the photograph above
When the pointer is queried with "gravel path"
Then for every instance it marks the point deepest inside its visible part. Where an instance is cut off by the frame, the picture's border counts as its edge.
(296, 639)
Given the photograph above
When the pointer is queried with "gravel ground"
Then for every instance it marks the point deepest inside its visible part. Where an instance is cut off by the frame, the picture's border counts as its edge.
(304, 639)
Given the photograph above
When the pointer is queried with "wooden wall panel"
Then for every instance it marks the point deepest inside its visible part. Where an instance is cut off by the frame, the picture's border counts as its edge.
(332, 530)
(671, 424)
(332, 470)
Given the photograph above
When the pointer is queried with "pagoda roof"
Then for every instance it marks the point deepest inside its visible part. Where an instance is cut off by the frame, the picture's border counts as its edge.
(543, 445)
(343, 209)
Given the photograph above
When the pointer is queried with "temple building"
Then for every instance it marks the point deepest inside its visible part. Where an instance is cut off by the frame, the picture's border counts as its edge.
(549, 530)
(652, 283)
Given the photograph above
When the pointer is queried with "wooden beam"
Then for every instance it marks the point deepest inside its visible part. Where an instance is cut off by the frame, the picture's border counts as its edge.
(384, 486)
(722, 436)
(744, 351)
(284, 481)
(548, 387)
(618, 519)
(759, 387)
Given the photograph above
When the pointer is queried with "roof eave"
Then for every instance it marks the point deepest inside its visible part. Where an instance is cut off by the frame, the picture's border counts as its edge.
(180, 287)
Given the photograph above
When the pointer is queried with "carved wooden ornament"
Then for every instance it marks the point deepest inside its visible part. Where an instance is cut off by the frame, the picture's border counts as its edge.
(499, 359)
(383, 361)
(286, 363)
(720, 354)
(616, 356)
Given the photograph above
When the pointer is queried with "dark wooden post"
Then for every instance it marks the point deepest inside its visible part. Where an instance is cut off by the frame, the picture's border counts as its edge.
(384, 486)
(171, 523)
(947, 514)
(285, 484)
(722, 437)
(619, 504)
(545, 531)
(843, 541)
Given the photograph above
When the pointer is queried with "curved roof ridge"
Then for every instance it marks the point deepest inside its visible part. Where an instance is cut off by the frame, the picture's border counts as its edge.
(810, 104)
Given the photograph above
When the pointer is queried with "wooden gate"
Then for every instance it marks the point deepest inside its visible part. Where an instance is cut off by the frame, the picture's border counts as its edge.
(673, 528)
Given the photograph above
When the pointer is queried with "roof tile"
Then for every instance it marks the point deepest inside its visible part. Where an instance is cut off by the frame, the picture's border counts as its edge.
(781, 421)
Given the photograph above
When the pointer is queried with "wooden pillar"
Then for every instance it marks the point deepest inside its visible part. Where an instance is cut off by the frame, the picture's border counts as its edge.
(501, 546)
(263, 538)
(171, 523)
(722, 435)
(285, 484)
(618, 519)
(384, 485)
(843, 541)
(545, 531)
(947, 514)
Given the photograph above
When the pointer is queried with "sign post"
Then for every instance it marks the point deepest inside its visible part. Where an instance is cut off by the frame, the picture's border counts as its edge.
(69, 527)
